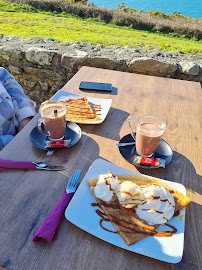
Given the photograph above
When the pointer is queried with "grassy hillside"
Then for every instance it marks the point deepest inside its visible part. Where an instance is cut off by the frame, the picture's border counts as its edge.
(27, 22)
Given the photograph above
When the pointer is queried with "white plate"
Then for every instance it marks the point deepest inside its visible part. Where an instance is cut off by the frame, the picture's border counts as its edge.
(82, 214)
(104, 103)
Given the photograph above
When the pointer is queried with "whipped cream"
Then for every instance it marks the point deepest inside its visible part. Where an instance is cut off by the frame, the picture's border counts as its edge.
(107, 186)
(158, 205)
(129, 194)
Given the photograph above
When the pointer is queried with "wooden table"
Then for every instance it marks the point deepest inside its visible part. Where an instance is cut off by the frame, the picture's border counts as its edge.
(26, 197)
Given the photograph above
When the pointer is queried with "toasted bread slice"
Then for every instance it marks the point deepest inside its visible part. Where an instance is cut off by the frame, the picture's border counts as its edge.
(125, 220)
(79, 110)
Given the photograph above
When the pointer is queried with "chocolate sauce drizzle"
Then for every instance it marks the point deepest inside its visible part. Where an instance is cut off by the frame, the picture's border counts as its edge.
(176, 213)
(126, 225)
(96, 108)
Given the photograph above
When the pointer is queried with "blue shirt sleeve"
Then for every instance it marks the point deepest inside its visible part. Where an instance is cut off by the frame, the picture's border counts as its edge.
(24, 107)
(4, 140)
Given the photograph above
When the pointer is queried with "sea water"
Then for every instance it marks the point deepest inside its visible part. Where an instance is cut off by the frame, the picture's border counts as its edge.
(189, 8)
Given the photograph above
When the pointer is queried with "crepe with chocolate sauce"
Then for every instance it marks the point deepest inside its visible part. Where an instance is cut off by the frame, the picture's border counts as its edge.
(79, 110)
(129, 226)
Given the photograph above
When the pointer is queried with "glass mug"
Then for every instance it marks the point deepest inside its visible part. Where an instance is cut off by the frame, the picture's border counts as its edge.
(149, 130)
(53, 118)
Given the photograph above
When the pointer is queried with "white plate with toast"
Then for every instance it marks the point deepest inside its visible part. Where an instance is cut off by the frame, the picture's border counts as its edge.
(104, 104)
(81, 213)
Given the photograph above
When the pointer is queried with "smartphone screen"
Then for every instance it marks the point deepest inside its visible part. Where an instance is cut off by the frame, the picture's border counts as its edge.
(95, 86)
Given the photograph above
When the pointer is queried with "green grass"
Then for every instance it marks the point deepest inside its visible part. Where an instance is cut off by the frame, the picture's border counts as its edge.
(26, 22)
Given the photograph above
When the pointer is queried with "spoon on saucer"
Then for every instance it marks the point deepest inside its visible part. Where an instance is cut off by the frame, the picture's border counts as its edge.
(125, 144)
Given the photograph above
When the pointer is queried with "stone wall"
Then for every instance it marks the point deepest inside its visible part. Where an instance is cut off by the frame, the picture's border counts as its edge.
(42, 65)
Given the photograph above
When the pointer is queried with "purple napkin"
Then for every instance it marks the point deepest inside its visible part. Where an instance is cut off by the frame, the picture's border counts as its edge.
(47, 230)
(13, 164)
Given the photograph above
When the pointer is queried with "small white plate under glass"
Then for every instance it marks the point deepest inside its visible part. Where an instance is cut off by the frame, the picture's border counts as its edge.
(81, 213)
(105, 104)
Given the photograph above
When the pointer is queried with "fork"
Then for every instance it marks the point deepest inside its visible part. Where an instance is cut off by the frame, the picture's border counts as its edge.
(73, 182)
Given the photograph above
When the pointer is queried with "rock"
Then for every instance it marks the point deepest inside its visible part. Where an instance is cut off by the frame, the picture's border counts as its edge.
(103, 62)
(74, 58)
(14, 38)
(43, 84)
(47, 40)
(39, 56)
(29, 83)
(43, 73)
(5, 56)
(151, 67)
(57, 86)
(9, 50)
(190, 68)
(156, 53)
(15, 69)
(39, 40)
(99, 46)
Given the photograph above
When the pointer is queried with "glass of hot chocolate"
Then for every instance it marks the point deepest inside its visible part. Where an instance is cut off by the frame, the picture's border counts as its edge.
(149, 130)
(53, 119)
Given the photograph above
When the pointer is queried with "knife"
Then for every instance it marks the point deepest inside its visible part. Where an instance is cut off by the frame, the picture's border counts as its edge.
(53, 168)
(47, 230)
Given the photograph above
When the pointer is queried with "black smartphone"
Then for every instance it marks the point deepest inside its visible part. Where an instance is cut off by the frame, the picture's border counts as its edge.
(95, 86)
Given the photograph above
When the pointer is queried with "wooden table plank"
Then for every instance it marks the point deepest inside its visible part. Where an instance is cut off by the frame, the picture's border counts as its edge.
(26, 197)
